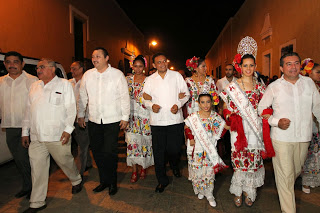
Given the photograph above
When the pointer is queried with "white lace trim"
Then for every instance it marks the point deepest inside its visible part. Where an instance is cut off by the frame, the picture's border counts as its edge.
(145, 162)
(142, 140)
(311, 179)
(248, 182)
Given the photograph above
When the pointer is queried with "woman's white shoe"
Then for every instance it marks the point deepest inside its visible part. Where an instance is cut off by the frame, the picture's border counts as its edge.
(200, 196)
(306, 190)
(212, 201)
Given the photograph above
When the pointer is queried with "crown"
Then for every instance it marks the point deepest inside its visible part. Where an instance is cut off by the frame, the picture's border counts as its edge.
(247, 46)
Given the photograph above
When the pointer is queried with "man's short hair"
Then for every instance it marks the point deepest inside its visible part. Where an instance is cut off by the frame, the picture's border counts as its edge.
(156, 55)
(230, 65)
(81, 65)
(105, 52)
(50, 62)
(13, 53)
(287, 55)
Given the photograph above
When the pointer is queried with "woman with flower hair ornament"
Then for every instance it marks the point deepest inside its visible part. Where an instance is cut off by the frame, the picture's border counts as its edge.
(311, 169)
(138, 132)
(203, 129)
(198, 83)
(241, 100)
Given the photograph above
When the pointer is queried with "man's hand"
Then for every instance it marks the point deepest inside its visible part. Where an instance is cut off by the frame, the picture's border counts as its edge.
(65, 138)
(284, 123)
(192, 142)
(25, 141)
(123, 124)
(182, 95)
(82, 122)
(147, 97)
(155, 108)
(267, 116)
(174, 109)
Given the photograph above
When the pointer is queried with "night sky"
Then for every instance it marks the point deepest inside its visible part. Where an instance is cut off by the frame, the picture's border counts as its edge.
(183, 29)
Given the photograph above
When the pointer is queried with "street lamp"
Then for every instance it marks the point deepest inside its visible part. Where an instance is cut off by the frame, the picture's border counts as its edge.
(152, 43)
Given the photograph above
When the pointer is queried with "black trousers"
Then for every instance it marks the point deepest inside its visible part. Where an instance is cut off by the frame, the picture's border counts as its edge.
(20, 156)
(104, 146)
(166, 145)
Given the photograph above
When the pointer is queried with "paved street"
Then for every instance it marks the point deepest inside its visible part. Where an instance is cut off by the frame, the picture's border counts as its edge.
(140, 196)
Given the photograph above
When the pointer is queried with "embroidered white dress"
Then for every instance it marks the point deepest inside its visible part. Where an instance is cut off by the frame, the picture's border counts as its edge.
(138, 132)
(202, 170)
(248, 166)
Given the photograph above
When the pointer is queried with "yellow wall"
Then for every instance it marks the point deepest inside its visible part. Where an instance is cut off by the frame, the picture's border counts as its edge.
(290, 20)
(40, 28)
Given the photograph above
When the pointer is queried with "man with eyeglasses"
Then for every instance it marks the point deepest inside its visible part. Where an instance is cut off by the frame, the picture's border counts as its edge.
(13, 92)
(49, 119)
(80, 134)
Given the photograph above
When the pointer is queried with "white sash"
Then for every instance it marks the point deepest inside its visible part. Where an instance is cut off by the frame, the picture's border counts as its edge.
(207, 143)
(247, 112)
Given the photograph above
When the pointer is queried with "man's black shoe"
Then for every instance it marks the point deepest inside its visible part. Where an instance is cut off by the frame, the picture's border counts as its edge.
(77, 188)
(22, 193)
(113, 189)
(33, 210)
(160, 188)
(100, 188)
(176, 172)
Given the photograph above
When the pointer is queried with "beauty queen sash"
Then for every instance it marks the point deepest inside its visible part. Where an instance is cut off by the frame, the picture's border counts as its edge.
(207, 142)
(247, 112)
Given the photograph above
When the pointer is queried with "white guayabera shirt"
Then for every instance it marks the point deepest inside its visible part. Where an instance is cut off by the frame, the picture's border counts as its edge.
(296, 102)
(106, 94)
(165, 92)
(50, 111)
(13, 99)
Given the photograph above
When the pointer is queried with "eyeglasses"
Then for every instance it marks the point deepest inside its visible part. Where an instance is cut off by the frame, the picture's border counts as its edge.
(42, 67)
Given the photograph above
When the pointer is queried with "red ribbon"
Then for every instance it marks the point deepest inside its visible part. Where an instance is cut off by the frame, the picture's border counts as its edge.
(236, 125)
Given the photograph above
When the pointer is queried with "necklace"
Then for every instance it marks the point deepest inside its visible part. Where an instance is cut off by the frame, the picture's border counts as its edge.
(253, 85)
(196, 82)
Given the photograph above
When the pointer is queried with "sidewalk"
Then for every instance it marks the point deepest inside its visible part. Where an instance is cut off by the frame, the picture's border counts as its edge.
(140, 196)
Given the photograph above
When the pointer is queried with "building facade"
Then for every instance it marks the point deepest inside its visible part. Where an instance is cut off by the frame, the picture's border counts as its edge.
(277, 26)
(68, 30)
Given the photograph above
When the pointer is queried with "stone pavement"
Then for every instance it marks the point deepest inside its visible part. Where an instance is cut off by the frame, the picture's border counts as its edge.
(140, 196)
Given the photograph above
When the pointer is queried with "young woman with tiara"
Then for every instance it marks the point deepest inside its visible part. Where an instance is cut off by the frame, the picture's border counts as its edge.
(241, 100)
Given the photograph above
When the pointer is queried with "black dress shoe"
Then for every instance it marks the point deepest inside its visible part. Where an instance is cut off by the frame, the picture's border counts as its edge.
(33, 210)
(160, 188)
(100, 188)
(77, 188)
(22, 193)
(176, 172)
(113, 189)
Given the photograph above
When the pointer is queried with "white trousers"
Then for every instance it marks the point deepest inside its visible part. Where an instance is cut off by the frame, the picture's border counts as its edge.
(287, 165)
(39, 153)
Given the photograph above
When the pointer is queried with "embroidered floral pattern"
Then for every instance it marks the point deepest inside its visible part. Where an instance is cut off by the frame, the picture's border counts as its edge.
(138, 132)
(207, 85)
(201, 169)
(248, 160)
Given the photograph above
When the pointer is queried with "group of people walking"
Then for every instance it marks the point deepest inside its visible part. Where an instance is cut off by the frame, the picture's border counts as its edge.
(102, 101)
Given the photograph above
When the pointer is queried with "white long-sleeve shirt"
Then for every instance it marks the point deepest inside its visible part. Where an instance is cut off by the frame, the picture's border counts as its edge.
(76, 91)
(223, 82)
(296, 102)
(13, 99)
(106, 94)
(51, 110)
(165, 92)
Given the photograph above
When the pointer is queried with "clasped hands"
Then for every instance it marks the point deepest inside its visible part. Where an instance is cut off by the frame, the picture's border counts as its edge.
(155, 107)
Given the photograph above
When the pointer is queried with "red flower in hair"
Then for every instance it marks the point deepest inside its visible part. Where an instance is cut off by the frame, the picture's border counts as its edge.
(237, 58)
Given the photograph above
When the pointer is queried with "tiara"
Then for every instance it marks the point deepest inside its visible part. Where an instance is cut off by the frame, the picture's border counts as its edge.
(247, 46)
